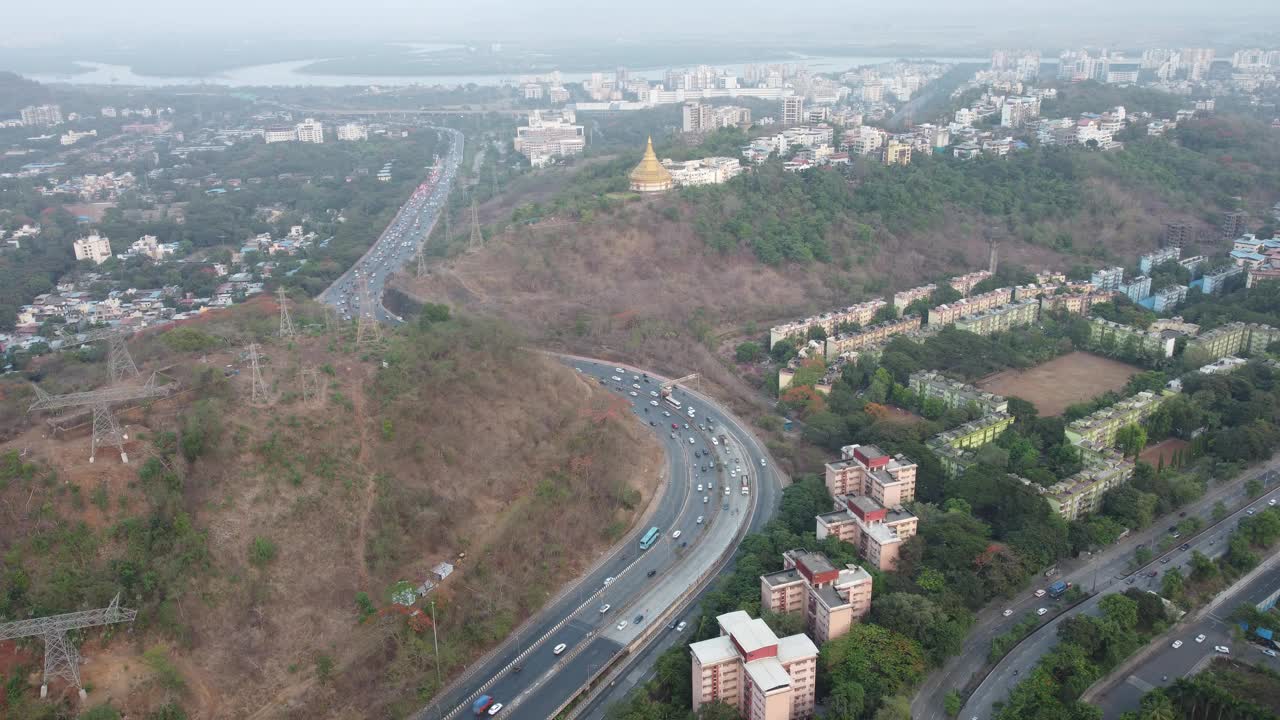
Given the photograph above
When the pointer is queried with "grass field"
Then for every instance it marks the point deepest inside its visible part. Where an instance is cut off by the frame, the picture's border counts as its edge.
(1054, 385)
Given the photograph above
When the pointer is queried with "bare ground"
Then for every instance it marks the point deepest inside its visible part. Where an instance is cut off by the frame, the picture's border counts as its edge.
(1052, 386)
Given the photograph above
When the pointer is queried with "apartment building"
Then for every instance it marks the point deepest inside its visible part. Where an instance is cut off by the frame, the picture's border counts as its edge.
(1234, 339)
(837, 345)
(955, 394)
(95, 247)
(1016, 111)
(1075, 303)
(875, 531)
(1136, 289)
(897, 153)
(353, 132)
(550, 135)
(310, 131)
(752, 670)
(950, 312)
(279, 134)
(963, 284)
(1178, 234)
(791, 111)
(863, 140)
(975, 433)
(1108, 278)
(1151, 260)
(1100, 427)
(866, 470)
(831, 599)
(905, 297)
(1214, 281)
(1169, 298)
(861, 314)
(699, 117)
(41, 115)
(1001, 319)
(1157, 343)
(1082, 493)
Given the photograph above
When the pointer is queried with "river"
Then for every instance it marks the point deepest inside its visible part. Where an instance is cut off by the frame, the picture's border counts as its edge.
(288, 74)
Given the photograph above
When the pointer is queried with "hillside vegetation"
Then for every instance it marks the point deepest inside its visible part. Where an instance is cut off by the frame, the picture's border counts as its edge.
(262, 544)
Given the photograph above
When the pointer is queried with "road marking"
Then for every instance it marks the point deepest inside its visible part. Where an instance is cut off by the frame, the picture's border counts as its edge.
(1139, 683)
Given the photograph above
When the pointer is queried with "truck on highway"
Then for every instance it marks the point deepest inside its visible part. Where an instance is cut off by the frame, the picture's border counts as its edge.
(1058, 589)
(481, 704)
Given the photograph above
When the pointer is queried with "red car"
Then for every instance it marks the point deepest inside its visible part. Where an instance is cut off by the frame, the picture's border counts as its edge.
(675, 426)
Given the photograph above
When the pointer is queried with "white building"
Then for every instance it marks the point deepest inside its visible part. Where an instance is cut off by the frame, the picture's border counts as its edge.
(279, 134)
(149, 246)
(1016, 111)
(41, 115)
(792, 111)
(94, 247)
(549, 135)
(707, 171)
(352, 132)
(310, 131)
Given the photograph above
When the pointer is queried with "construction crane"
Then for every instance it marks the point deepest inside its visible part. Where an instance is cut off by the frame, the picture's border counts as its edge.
(106, 427)
(120, 363)
(61, 659)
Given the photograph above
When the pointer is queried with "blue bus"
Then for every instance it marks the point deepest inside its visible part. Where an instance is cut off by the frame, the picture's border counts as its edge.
(649, 538)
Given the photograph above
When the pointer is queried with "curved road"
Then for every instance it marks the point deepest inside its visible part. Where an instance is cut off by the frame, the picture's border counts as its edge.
(523, 673)
(1211, 542)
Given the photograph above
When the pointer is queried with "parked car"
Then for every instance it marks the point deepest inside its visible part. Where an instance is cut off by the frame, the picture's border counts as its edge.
(1177, 644)
(1222, 649)
(1007, 612)
(1200, 638)
(558, 649)
(1042, 611)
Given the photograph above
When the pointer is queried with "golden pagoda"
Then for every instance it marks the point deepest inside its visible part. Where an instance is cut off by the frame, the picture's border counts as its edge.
(649, 176)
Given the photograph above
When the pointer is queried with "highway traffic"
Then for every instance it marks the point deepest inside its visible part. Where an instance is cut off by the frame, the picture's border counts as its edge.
(1211, 542)
(399, 241)
(639, 590)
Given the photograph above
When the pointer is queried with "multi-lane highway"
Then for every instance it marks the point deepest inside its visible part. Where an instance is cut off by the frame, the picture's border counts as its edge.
(633, 596)
(400, 241)
(1197, 642)
(1211, 542)
(1108, 566)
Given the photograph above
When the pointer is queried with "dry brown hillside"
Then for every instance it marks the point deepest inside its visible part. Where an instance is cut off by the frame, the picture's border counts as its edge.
(245, 534)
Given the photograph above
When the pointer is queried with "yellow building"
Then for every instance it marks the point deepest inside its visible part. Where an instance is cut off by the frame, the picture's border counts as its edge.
(649, 176)
(1101, 427)
(897, 153)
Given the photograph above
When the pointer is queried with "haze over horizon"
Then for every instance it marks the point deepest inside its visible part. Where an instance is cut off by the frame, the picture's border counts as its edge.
(659, 21)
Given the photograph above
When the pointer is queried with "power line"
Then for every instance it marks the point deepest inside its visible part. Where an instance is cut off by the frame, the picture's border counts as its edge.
(106, 427)
(477, 237)
(258, 387)
(367, 329)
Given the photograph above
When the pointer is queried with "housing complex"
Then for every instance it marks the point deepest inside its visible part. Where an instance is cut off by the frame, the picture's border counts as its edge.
(831, 599)
(755, 672)
(870, 489)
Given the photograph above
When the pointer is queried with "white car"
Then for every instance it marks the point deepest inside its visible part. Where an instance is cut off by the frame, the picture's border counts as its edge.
(609, 581)
(1007, 612)
(1200, 638)
(699, 487)
(706, 499)
(682, 626)
(634, 393)
(666, 414)
(497, 708)
(622, 625)
(699, 521)
(762, 462)
(615, 378)
(1271, 502)
(726, 491)
(744, 490)
(1222, 649)
(1042, 611)
(675, 535)
(714, 441)
(1040, 592)
(619, 370)
(1177, 644)
(558, 649)
(690, 441)
(653, 403)
(605, 608)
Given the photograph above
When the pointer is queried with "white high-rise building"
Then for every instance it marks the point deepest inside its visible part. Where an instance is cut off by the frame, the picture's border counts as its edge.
(310, 131)
(352, 132)
(792, 110)
(41, 115)
(94, 247)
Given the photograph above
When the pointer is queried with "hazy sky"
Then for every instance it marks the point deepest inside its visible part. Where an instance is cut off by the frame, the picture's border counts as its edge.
(859, 21)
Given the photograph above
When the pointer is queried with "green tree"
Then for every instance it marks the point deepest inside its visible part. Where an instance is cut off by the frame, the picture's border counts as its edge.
(882, 661)
(846, 701)
(747, 352)
(1172, 585)
(1202, 568)
(895, 708)
(953, 703)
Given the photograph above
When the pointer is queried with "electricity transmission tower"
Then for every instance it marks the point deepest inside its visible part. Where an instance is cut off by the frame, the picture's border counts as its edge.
(422, 259)
(477, 238)
(309, 377)
(106, 427)
(258, 388)
(120, 363)
(61, 659)
(367, 329)
(330, 320)
(286, 322)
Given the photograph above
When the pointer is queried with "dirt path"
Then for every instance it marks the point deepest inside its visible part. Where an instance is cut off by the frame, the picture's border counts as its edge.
(199, 687)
